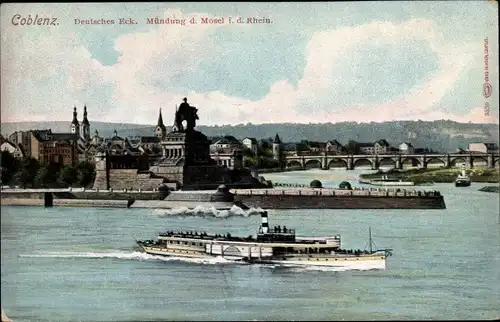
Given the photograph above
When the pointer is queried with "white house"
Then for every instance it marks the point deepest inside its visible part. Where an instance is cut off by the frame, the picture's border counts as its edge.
(406, 148)
(483, 147)
(12, 148)
(334, 146)
(226, 143)
(251, 144)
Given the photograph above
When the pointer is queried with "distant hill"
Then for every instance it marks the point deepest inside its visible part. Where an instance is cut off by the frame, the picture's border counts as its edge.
(443, 136)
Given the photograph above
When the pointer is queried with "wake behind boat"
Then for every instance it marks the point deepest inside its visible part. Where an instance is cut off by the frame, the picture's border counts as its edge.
(276, 246)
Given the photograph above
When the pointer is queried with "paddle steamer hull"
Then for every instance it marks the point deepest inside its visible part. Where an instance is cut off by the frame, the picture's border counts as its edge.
(361, 262)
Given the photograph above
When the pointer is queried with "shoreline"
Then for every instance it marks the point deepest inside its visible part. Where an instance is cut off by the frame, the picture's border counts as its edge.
(436, 175)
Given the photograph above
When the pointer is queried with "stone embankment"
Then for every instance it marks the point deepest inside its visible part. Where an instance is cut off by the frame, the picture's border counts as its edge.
(289, 198)
(324, 198)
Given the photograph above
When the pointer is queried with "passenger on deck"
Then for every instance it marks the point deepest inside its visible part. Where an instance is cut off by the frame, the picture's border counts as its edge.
(284, 229)
(279, 229)
(275, 229)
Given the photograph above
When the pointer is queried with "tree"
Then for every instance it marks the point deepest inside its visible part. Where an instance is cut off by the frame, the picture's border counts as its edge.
(85, 173)
(302, 147)
(9, 166)
(22, 177)
(345, 185)
(247, 152)
(68, 175)
(352, 147)
(43, 177)
(316, 184)
(27, 172)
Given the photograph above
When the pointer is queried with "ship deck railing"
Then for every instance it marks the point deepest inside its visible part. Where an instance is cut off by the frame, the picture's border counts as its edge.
(373, 192)
(322, 241)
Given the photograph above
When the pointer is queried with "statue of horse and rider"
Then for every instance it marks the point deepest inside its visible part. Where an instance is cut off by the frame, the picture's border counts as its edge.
(187, 113)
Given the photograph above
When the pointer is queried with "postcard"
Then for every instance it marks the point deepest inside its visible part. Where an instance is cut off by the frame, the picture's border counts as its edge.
(250, 161)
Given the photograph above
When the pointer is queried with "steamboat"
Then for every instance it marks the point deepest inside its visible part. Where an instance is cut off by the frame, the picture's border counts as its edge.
(279, 245)
(462, 180)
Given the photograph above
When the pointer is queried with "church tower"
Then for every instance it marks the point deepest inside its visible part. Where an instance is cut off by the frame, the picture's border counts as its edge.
(75, 125)
(276, 147)
(160, 130)
(85, 125)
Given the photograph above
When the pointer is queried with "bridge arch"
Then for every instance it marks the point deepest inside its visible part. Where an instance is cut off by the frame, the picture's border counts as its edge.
(435, 161)
(363, 162)
(384, 162)
(481, 161)
(294, 164)
(313, 163)
(337, 163)
(411, 162)
(458, 161)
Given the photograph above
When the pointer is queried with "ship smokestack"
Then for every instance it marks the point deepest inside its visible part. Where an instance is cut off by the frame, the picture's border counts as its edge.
(265, 223)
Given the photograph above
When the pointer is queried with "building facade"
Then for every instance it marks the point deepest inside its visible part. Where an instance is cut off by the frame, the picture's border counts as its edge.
(481, 147)
(251, 144)
(406, 148)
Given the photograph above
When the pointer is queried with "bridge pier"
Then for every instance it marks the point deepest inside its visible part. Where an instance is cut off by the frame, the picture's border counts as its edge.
(447, 162)
(399, 164)
(490, 161)
(350, 163)
(470, 162)
(423, 162)
(324, 163)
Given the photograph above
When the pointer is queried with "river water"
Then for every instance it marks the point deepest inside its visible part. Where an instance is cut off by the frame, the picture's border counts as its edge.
(80, 264)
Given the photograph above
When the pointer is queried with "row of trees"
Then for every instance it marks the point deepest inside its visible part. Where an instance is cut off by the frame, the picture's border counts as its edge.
(29, 173)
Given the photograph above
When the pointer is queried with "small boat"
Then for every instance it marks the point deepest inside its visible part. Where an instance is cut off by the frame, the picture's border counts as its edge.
(385, 181)
(268, 246)
(462, 180)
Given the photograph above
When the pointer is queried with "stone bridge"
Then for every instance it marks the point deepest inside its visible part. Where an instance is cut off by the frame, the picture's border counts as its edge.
(350, 162)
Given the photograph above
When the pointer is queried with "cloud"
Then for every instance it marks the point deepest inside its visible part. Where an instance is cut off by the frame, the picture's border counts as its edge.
(44, 82)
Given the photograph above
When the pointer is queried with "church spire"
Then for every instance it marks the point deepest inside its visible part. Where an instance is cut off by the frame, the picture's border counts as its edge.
(160, 120)
(75, 118)
(160, 130)
(85, 119)
(85, 125)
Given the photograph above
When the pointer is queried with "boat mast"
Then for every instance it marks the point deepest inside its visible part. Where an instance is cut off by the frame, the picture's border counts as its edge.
(370, 238)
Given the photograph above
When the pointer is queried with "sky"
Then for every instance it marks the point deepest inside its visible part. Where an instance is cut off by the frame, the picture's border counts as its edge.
(313, 63)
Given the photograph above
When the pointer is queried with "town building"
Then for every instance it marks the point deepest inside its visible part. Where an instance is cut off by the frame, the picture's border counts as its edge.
(406, 148)
(251, 144)
(48, 147)
(316, 147)
(23, 140)
(334, 147)
(382, 147)
(365, 148)
(12, 148)
(481, 147)
(225, 143)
